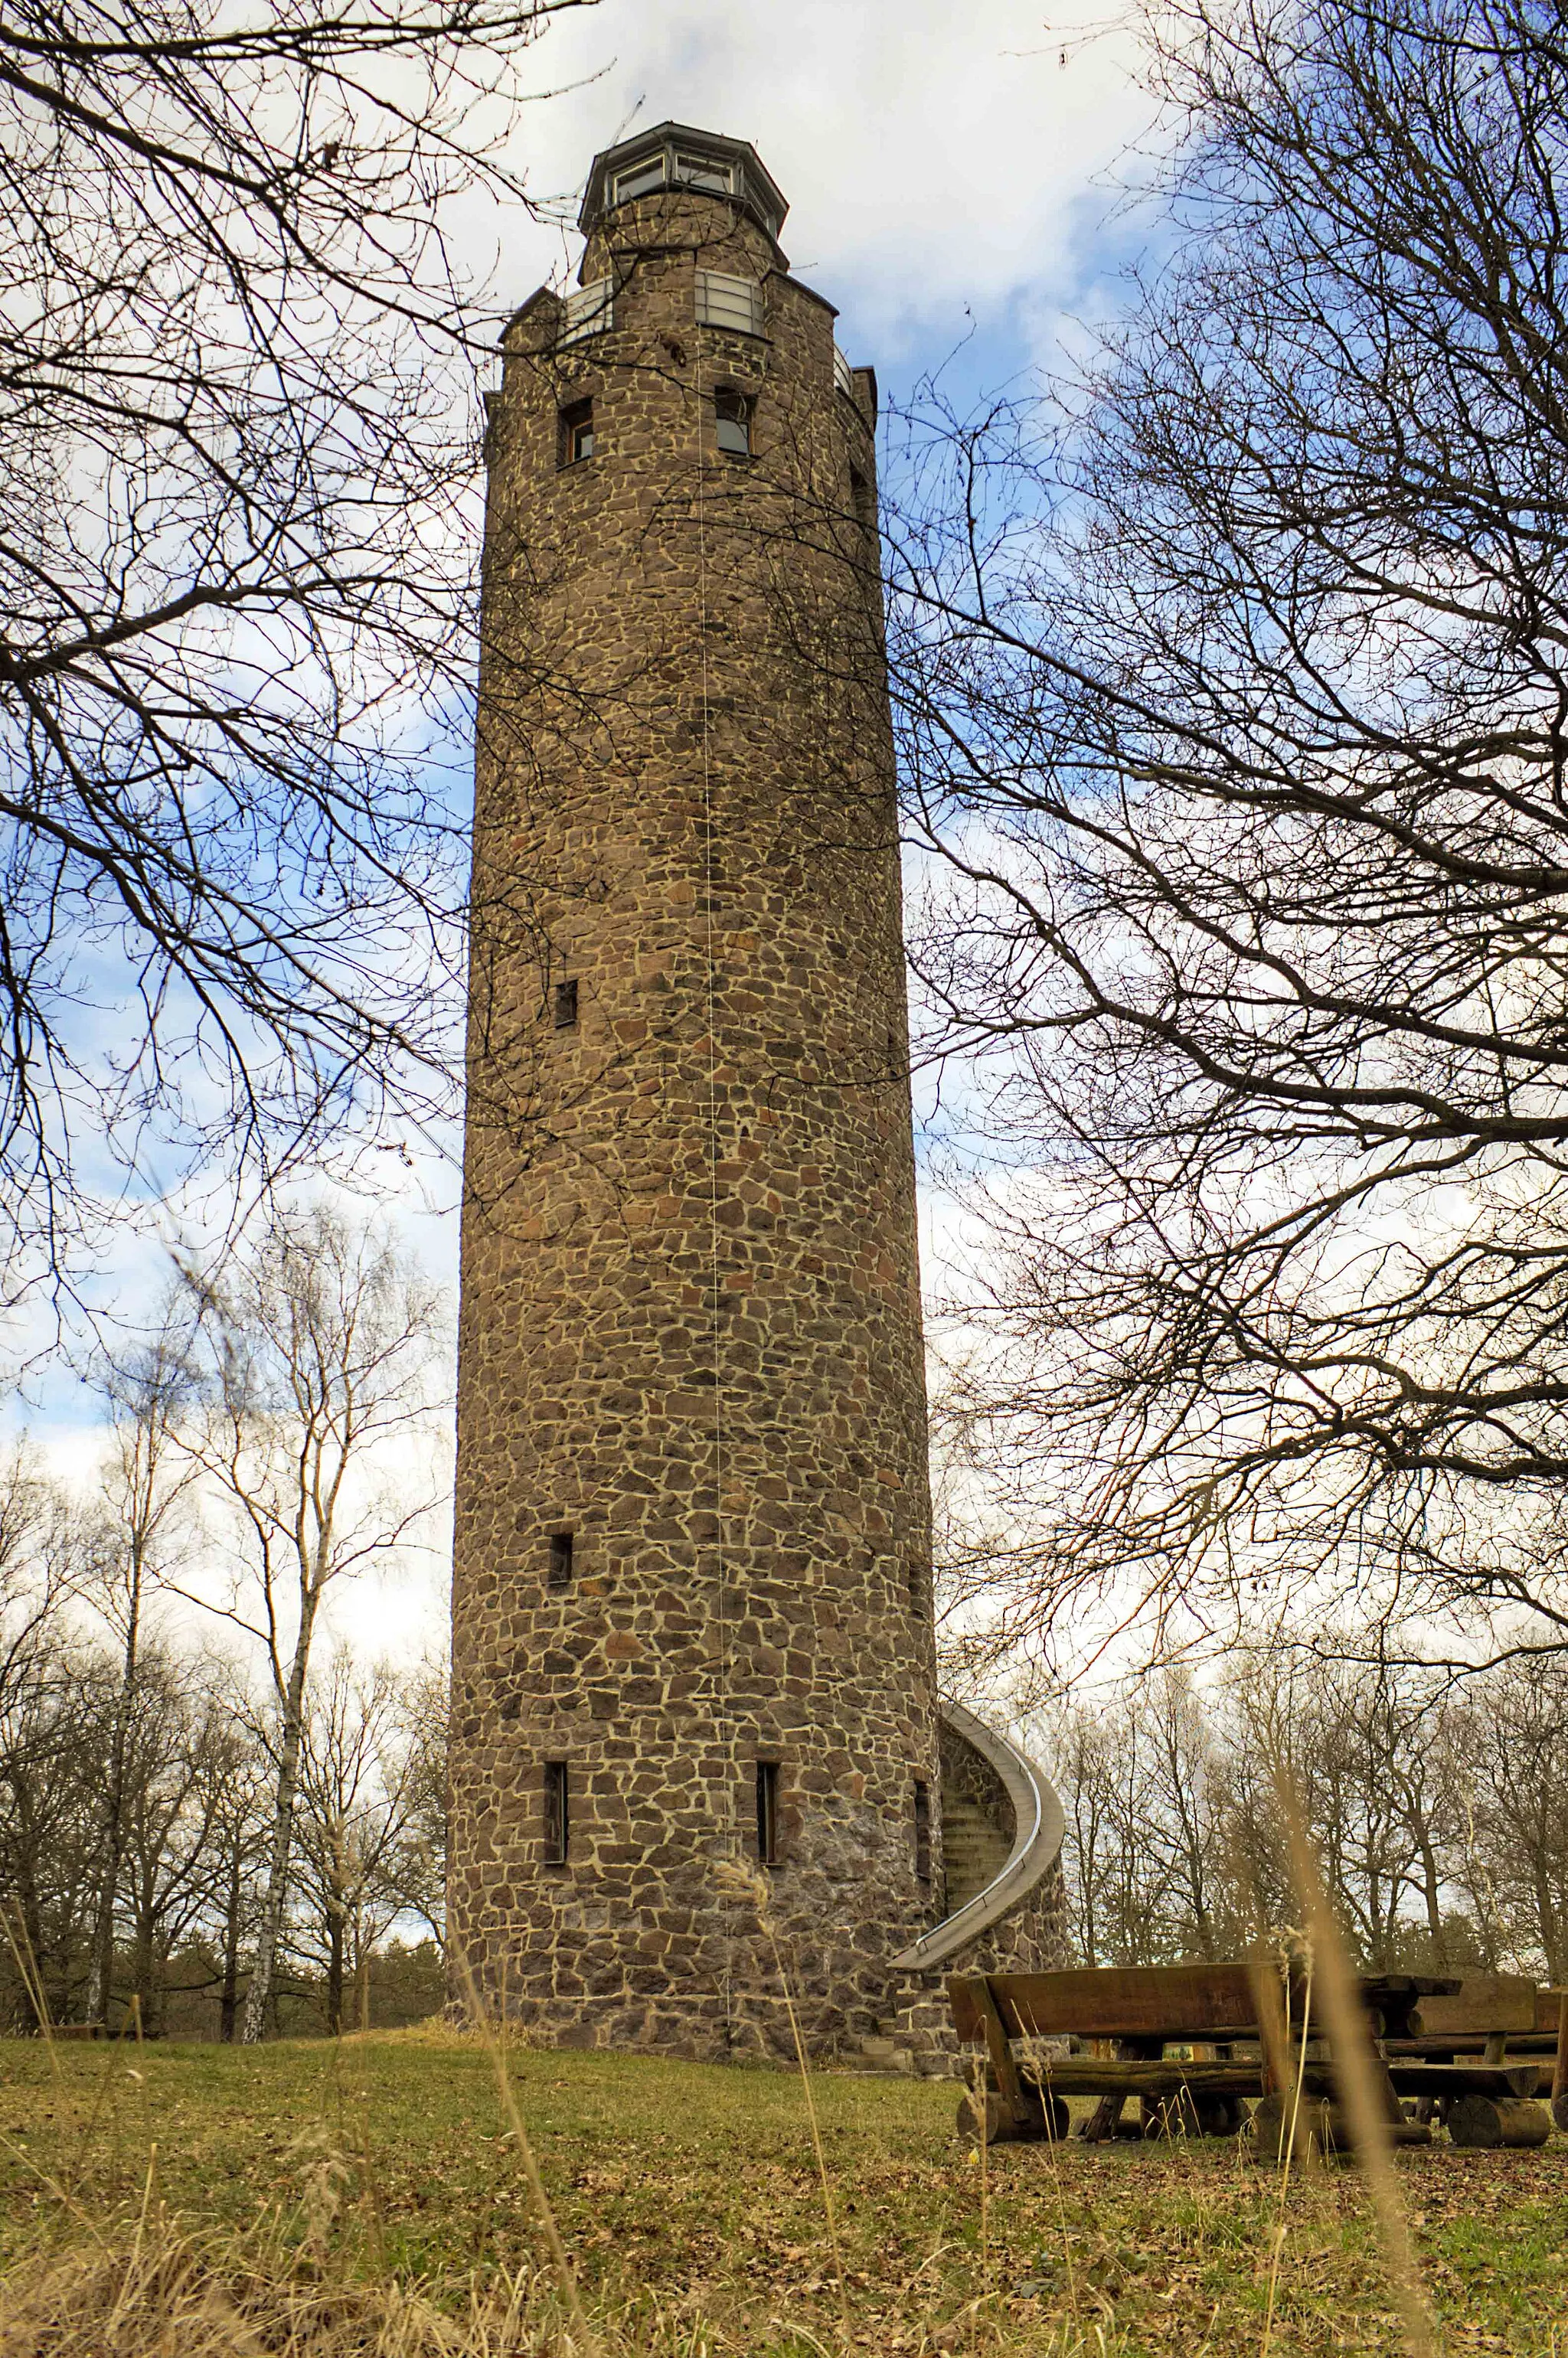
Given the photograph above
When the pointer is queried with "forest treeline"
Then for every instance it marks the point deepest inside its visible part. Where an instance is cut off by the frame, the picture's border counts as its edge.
(1438, 1810)
(213, 1816)
(200, 1764)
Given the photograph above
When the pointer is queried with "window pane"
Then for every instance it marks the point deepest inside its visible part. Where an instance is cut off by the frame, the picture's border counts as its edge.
(726, 302)
(701, 172)
(576, 433)
(589, 312)
(732, 422)
(640, 179)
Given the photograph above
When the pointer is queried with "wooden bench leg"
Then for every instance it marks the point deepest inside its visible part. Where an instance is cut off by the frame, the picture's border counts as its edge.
(1491, 2121)
(1104, 2121)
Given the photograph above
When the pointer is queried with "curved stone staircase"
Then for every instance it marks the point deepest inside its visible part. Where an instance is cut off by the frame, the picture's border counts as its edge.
(1001, 1841)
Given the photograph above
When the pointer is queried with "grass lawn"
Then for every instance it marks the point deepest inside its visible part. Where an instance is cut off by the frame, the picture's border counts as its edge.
(689, 2201)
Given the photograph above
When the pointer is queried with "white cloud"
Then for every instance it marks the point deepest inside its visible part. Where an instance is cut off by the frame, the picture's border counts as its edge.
(934, 156)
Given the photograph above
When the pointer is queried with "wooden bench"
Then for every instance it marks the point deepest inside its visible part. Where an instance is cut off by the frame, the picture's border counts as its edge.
(1442, 2041)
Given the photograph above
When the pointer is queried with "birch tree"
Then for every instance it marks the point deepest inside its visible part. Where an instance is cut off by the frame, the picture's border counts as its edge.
(134, 1548)
(318, 1342)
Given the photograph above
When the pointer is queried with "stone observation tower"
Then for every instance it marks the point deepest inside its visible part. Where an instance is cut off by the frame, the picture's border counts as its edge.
(694, 1665)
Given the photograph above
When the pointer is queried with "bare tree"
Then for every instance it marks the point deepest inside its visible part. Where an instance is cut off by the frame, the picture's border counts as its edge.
(50, 1732)
(1232, 696)
(319, 1337)
(177, 1759)
(53, 1726)
(424, 1712)
(359, 1795)
(1512, 1761)
(237, 418)
(242, 1775)
(133, 1545)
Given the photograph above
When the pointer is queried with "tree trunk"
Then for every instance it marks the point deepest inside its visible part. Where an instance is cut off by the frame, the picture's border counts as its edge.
(99, 1986)
(335, 1973)
(259, 1997)
(229, 1995)
(144, 1974)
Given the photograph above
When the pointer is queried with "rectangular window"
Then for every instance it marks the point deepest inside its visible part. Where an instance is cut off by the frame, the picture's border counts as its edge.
(922, 1831)
(917, 1590)
(732, 422)
(768, 1812)
(574, 433)
(704, 172)
(557, 1814)
(639, 180)
(588, 312)
(733, 303)
(565, 1005)
(560, 1573)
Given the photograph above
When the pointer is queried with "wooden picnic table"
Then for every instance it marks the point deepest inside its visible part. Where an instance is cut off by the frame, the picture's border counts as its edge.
(1193, 2043)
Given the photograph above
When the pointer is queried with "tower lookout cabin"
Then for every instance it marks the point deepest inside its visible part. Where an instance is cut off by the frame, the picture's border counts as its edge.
(694, 1700)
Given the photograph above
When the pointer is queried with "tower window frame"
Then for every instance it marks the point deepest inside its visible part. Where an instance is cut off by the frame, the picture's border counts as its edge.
(587, 311)
(767, 1813)
(574, 434)
(733, 415)
(922, 1831)
(724, 301)
(562, 1560)
(564, 1005)
(709, 174)
(557, 1839)
(641, 179)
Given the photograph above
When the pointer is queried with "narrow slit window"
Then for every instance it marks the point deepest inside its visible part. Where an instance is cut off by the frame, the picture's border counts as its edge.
(922, 1831)
(917, 1591)
(576, 433)
(560, 1572)
(768, 1812)
(732, 419)
(565, 1005)
(557, 1814)
(863, 501)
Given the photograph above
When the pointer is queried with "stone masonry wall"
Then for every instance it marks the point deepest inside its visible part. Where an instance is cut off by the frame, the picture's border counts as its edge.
(690, 1324)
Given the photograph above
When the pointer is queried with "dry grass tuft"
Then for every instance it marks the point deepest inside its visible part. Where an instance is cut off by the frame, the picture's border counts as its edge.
(159, 2290)
(195, 2297)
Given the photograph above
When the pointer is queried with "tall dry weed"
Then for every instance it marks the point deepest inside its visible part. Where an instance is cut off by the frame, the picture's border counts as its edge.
(167, 2292)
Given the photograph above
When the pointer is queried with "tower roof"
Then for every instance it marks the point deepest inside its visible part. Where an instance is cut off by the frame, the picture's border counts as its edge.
(676, 154)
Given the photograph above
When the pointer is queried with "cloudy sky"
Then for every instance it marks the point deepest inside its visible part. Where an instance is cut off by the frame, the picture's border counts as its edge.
(956, 177)
(951, 165)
